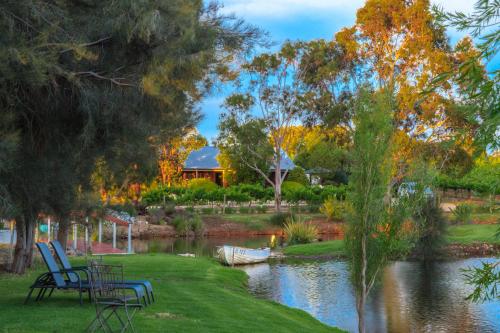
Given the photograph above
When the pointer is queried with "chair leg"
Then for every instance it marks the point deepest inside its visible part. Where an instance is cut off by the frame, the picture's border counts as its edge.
(29, 295)
(129, 320)
(51, 291)
(39, 294)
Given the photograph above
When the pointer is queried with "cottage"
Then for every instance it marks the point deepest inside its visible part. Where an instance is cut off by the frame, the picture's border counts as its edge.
(203, 163)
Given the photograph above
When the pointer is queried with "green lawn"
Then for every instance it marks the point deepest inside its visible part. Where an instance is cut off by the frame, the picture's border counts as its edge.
(261, 221)
(471, 233)
(193, 295)
(314, 249)
(460, 234)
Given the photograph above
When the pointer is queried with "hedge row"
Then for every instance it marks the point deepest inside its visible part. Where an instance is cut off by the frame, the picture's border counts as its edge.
(466, 183)
(242, 193)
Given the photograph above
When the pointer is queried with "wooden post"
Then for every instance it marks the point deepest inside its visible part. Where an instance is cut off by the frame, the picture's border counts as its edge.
(114, 235)
(75, 236)
(48, 229)
(129, 238)
(12, 230)
(100, 231)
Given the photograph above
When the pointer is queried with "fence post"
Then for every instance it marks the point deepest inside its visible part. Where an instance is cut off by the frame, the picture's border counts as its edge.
(75, 236)
(114, 235)
(100, 231)
(48, 229)
(129, 238)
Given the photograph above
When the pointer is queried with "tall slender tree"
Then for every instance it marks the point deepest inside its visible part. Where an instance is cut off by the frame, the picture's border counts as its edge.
(88, 80)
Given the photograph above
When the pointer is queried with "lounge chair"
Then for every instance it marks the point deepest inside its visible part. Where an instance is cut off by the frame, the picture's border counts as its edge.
(63, 259)
(54, 279)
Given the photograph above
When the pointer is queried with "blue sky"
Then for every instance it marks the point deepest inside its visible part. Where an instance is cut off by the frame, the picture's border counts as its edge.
(299, 20)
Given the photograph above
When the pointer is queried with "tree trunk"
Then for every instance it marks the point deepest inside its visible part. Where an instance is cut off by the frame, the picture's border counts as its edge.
(277, 182)
(23, 252)
(363, 292)
(62, 232)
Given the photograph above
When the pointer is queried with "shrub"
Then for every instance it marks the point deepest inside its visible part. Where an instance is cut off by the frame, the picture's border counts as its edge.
(245, 210)
(229, 210)
(208, 211)
(181, 225)
(298, 232)
(298, 175)
(261, 209)
(290, 186)
(190, 209)
(156, 214)
(197, 225)
(462, 213)
(313, 209)
(202, 183)
(169, 208)
(280, 219)
(432, 229)
(333, 209)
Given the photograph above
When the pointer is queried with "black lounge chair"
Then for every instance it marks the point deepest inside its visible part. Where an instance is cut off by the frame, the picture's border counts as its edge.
(63, 259)
(55, 279)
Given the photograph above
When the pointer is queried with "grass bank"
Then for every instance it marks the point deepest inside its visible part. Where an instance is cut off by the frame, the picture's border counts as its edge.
(458, 234)
(193, 295)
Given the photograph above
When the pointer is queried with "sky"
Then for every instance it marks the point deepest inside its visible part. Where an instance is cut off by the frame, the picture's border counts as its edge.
(298, 20)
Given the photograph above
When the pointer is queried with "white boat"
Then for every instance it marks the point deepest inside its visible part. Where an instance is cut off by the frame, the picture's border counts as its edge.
(234, 255)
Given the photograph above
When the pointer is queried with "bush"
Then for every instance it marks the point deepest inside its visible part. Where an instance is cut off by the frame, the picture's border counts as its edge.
(462, 213)
(289, 186)
(181, 225)
(169, 208)
(298, 175)
(156, 214)
(432, 229)
(261, 209)
(229, 210)
(197, 225)
(190, 209)
(203, 184)
(245, 210)
(208, 211)
(333, 209)
(280, 219)
(298, 232)
(313, 209)
(185, 223)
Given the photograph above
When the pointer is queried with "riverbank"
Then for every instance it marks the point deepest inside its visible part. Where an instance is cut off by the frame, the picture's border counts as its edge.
(228, 225)
(462, 241)
(192, 295)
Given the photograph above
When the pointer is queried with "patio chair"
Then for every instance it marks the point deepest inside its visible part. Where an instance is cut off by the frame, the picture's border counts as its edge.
(55, 279)
(63, 259)
(108, 299)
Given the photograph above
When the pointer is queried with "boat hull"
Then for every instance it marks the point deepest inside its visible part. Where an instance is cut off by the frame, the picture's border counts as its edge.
(233, 255)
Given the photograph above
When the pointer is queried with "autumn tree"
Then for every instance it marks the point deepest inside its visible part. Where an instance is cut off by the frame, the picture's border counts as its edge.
(174, 153)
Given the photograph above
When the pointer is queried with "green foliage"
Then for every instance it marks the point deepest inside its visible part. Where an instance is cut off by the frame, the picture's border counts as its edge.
(333, 209)
(280, 219)
(261, 209)
(486, 282)
(298, 175)
(245, 210)
(208, 211)
(432, 226)
(371, 231)
(202, 184)
(298, 232)
(462, 213)
(186, 223)
(291, 186)
(229, 210)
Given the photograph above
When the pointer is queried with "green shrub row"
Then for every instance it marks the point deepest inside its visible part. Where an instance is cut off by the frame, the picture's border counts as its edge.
(467, 183)
(292, 192)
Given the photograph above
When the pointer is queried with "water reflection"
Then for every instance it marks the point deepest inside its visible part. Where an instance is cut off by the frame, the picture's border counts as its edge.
(411, 297)
(205, 246)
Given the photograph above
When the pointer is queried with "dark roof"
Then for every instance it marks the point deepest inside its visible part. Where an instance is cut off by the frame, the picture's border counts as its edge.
(204, 158)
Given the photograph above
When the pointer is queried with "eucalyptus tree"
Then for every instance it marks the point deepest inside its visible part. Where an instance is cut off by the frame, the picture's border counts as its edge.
(270, 95)
(92, 79)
